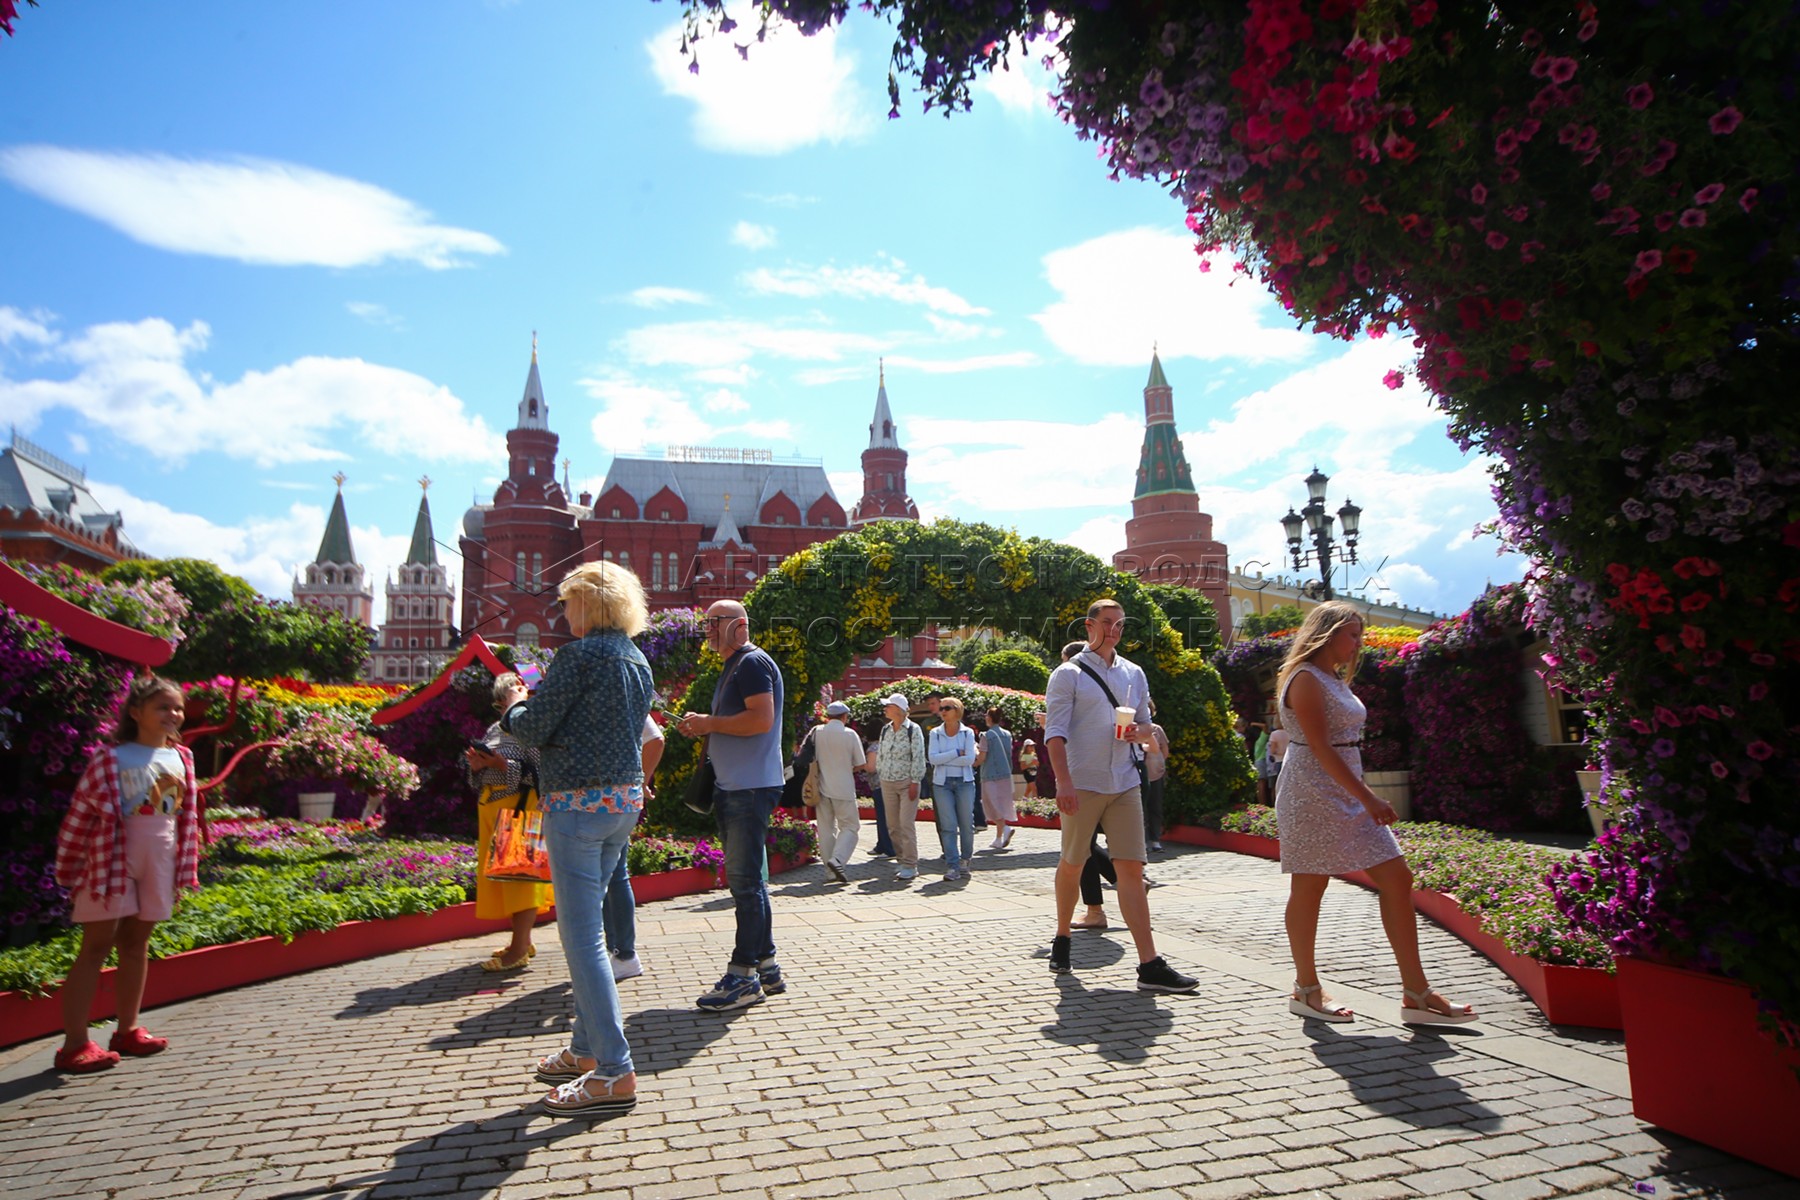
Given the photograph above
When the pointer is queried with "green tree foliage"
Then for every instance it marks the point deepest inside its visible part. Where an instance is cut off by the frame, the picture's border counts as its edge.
(1282, 616)
(965, 652)
(1012, 669)
(258, 639)
(1190, 613)
(205, 585)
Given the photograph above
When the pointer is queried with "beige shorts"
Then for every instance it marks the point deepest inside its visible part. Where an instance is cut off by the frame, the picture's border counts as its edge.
(1119, 815)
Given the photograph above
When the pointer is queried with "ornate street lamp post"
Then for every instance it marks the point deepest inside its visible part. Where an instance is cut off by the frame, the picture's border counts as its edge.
(1314, 520)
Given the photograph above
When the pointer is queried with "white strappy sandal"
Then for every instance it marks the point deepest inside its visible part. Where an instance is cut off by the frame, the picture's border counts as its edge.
(1424, 1014)
(1337, 1014)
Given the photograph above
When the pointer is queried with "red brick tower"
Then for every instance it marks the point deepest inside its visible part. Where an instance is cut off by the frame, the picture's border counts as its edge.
(884, 469)
(1168, 539)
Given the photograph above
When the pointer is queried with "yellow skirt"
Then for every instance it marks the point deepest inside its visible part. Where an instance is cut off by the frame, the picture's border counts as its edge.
(499, 901)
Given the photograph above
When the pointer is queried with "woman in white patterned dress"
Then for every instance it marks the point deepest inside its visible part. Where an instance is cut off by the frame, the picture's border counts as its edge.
(1330, 822)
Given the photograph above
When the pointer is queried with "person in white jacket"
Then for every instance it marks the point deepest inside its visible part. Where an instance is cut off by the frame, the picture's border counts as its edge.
(838, 751)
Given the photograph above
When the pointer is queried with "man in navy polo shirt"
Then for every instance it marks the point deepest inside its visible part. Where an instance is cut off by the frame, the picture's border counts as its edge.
(743, 741)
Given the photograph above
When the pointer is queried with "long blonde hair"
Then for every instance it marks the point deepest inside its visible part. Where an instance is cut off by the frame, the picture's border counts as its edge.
(612, 596)
(1319, 627)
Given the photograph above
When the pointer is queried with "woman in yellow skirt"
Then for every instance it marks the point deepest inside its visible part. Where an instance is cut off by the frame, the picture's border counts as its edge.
(496, 773)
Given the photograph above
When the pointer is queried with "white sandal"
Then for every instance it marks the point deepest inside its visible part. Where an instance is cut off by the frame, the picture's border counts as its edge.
(1337, 1014)
(574, 1096)
(1424, 1014)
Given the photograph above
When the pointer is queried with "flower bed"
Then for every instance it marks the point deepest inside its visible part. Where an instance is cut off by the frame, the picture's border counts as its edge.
(1490, 893)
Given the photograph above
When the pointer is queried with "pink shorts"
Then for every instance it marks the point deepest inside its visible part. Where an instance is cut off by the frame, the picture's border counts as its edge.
(149, 875)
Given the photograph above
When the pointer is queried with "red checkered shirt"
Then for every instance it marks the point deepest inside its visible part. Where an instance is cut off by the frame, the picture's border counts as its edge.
(90, 849)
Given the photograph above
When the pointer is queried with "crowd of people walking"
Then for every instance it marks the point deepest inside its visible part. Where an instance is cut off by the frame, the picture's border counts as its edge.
(584, 741)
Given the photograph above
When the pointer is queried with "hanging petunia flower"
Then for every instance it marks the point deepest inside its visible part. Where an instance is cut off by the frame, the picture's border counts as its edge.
(1725, 120)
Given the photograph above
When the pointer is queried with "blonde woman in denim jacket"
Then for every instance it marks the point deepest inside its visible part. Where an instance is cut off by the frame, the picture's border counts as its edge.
(586, 718)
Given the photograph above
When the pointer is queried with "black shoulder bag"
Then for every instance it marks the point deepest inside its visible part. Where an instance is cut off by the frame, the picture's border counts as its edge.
(705, 780)
(1137, 752)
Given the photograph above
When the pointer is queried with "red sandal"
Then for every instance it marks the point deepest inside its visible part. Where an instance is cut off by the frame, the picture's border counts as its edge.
(86, 1060)
(138, 1043)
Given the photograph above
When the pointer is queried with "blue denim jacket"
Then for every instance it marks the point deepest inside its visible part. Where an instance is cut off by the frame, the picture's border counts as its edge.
(588, 714)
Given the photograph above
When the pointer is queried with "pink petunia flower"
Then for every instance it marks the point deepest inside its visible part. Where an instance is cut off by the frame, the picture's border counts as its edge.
(1478, 194)
(1709, 193)
(1639, 95)
(1747, 201)
(1600, 191)
(1725, 120)
(1760, 751)
(1393, 379)
(1562, 70)
(1665, 221)
(1693, 218)
(1648, 260)
(1496, 240)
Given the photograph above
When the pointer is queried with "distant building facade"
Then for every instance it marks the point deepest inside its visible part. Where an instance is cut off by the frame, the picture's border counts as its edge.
(419, 635)
(334, 580)
(48, 515)
(1168, 539)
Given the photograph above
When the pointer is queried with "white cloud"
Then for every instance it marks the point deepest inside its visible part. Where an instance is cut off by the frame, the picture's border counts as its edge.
(1122, 291)
(252, 210)
(662, 297)
(781, 199)
(726, 401)
(884, 282)
(134, 380)
(958, 366)
(1023, 85)
(1102, 537)
(724, 344)
(752, 236)
(16, 326)
(976, 465)
(774, 96)
(741, 375)
(78, 444)
(375, 314)
(266, 550)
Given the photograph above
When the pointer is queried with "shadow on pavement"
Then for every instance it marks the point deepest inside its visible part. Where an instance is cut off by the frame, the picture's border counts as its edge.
(1119, 1025)
(47, 1080)
(664, 1039)
(457, 983)
(1398, 1077)
(492, 1148)
(545, 1011)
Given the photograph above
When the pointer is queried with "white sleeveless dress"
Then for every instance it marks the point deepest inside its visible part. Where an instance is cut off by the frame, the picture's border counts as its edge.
(1324, 830)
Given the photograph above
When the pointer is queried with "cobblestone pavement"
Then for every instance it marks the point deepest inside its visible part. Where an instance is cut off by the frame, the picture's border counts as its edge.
(922, 1050)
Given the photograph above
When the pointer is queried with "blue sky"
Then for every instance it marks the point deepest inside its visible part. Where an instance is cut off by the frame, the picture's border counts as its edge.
(249, 246)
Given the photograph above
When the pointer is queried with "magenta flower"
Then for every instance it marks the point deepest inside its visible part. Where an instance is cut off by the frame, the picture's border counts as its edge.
(1693, 218)
(1639, 95)
(1496, 240)
(1600, 191)
(1719, 769)
(1747, 201)
(1478, 194)
(1562, 70)
(1709, 193)
(1725, 120)
(1393, 379)
(1665, 221)
(1760, 751)
(1647, 261)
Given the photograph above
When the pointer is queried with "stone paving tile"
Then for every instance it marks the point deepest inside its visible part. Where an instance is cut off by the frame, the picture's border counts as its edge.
(923, 1050)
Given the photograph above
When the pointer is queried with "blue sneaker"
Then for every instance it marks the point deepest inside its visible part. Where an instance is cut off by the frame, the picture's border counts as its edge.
(768, 973)
(733, 991)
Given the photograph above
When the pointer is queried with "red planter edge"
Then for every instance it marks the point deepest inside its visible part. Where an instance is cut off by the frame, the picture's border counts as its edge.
(1702, 1068)
(219, 968)
(1585, 996)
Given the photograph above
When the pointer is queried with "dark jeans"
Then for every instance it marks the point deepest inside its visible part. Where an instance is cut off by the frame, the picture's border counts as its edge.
(1099, 863)
(743, 820)
(1153, 801)
(884, 844)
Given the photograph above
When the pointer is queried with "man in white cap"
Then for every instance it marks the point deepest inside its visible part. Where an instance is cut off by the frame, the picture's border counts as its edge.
(900, 763)
(838, 751)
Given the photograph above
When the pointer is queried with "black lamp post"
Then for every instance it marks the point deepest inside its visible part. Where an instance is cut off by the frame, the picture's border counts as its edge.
(1314, 520)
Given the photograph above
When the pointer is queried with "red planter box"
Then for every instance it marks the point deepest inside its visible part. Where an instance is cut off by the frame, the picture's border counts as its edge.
(1702, 1068)
(665, 885)
(1566, 995)
(1027, 821)
(216, 968)
(1213, 839)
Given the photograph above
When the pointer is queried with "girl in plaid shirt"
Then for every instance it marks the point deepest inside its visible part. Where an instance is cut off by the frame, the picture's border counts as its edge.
(131, 837)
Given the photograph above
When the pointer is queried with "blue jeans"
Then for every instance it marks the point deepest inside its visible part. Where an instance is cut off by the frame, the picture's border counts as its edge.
(585, 850)
(884, 842)
(619, 912)
(743, 820)
(954, 804)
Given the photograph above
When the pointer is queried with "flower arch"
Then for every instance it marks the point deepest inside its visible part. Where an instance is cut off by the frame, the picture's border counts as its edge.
(833, 600)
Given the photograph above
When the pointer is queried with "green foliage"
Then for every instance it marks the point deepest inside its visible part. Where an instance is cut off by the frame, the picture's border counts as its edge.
(1020, 707)
(1282, 616)
(262, 639)
(1192, 614)
(205, 586)
(1012, 669)
(963, 653)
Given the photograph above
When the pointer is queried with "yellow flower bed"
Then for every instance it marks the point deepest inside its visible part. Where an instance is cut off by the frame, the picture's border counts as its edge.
(327, 695)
